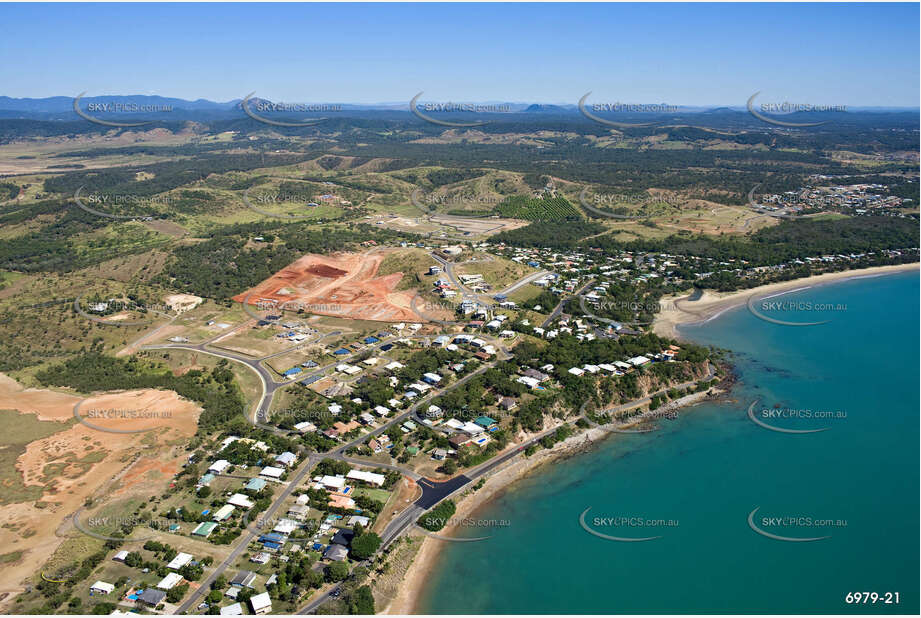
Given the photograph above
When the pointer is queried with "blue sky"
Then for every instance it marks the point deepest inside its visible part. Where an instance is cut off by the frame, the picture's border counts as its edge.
(688, 54)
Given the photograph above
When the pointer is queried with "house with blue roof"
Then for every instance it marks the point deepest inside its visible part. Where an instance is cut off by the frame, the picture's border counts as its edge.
(371, 339)
(292, 372)
(256, 484)
(342, 351)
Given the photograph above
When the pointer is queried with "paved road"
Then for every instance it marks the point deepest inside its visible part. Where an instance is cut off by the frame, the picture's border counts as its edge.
(248, 535)
(524, 281)
(432, 492)
(559, 306)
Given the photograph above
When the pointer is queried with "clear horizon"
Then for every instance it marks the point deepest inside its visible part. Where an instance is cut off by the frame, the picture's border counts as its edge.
(858, 55)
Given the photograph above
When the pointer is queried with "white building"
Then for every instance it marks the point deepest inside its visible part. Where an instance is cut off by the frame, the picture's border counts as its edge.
(261, 603)
(223, 513)
(219, 466)
(367, 477)
(179, 561)
(102, 587)
(241, 500)
(169, 581)
(271, 472)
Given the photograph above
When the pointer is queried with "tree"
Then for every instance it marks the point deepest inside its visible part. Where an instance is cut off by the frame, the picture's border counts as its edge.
(362, 602)
(337, 571)
(365, 545)
(449, 466)
(103, 609)
(175, 594)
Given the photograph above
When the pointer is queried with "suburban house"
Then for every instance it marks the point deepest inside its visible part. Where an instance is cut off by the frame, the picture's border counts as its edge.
(219, 466)
(101, 587)
(255, 484)
(367, 477)
(241, 500)
(271, 472)
(243, 579)
(507, 403)
(179, 561)
(261, 603)
(223, 513)
(286, 459)
(171, 580)
(336, 552)
(204, 529)
(151, 597)
(232, 610)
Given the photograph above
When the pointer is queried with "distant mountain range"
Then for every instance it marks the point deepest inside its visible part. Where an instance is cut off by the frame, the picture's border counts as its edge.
(57, 105)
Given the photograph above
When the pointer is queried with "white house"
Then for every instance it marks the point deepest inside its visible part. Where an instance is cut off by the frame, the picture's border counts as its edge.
(368, 477)
(333, 483)
(241, 500)
(576, 371)
(219, 466)
(179, 561)
(285, 526)
(169, 581)
(303, 427)
(224, 512)
(529, 382)
(286, 459)
(271, 472)
(261, 603)
(102, 587)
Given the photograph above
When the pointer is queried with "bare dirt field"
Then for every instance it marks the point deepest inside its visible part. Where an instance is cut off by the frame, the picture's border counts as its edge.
(341, 285)
(63, 468)
(479, 226)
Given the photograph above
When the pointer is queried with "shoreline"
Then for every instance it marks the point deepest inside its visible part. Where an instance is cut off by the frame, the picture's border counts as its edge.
(497, 483)
(712, 304)
(708, 307)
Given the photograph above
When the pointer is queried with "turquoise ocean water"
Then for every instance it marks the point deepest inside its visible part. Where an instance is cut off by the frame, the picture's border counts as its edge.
(711, 467)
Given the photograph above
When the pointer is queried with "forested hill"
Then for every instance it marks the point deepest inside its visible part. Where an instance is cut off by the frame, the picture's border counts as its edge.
(772, 245)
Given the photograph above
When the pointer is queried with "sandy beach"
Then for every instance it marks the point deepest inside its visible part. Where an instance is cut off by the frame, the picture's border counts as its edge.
(468, 503)
(677, 311)
(406, 601)
(708, 306)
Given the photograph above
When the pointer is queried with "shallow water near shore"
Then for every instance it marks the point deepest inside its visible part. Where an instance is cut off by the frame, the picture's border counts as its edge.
(710, 468)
